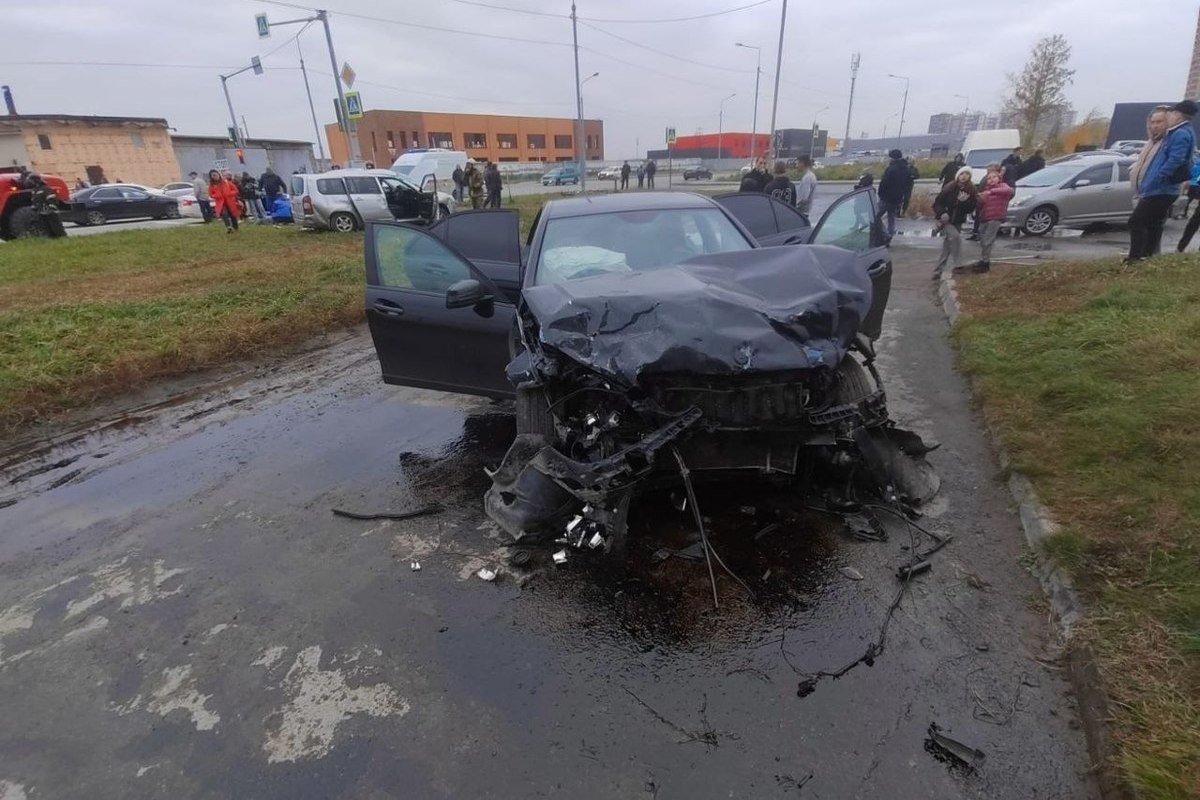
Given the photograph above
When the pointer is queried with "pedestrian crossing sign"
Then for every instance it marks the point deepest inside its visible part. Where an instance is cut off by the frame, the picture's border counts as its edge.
(354, 105)
(670, 136)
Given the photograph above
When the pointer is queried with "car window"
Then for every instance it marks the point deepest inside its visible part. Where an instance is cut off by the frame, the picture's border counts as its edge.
(1123, 171)
(330, 186)
(632, 241)
(133, 194)
(411, 259)
(752, 209)
(105, 194)
(1099, 174)
(847, 223)
(1050, 176)
(297, 185)
(981, 158)
(362, 185)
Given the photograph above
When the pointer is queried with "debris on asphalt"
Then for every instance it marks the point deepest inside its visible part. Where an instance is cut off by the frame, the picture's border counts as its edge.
(851, 573)
(774, 526)
(912, 570)
(950, 750)
(519, 558)
(560, 557)
(486, 574)
(420, 512)
(415, 566)
(865, 525)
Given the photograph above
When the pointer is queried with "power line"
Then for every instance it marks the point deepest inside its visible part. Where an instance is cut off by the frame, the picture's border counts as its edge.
(675, 19)
(651, 70)
(110, 64)
(510, 8)
(424, 27)
(666, 54)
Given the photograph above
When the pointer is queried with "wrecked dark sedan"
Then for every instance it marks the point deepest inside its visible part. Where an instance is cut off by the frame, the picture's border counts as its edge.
(652, 339)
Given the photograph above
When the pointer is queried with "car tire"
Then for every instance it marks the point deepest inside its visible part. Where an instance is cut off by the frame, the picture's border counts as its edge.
(854, 383)
(95, 218)
(533, 413)
(26, 222)
(173, 211)
(342, 222)
(1040, 221)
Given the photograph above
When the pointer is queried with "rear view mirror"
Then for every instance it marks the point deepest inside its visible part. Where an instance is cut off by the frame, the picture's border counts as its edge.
(466, 293)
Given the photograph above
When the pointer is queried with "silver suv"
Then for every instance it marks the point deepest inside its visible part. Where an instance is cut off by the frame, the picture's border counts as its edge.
(344, 199)
(1073, 194)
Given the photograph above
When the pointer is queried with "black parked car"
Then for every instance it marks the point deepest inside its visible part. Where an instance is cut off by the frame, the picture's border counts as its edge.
(639, 333)
(98, 204)
(697, 174)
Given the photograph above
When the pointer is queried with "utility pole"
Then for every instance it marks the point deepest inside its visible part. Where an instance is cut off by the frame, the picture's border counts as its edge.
(854, 61)
(904, 106)
(778, 68)
(238, 139)
(580, 153)
(312, 109)
(721, 124)
(812, 139)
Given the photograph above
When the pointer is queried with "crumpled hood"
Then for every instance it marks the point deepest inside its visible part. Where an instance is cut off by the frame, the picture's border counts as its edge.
(762, 310)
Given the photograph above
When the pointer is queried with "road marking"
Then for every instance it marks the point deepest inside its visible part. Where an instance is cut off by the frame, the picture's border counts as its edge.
(320, 700)
(270, 657)
(134, 585)
(12, 791)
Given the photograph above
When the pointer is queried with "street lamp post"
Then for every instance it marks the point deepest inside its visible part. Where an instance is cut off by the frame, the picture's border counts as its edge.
(904, 106)
(721, 123)
(966, 102)
(582, 124)
(883, 138)
(238, 138)
(812, 137)
(757, 77)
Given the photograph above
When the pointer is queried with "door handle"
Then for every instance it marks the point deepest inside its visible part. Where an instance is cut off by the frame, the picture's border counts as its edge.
(388, 308)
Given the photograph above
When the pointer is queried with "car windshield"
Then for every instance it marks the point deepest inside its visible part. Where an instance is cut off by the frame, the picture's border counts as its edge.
(1050, 176)
(403, 170)
(981, 158)
(633, 241)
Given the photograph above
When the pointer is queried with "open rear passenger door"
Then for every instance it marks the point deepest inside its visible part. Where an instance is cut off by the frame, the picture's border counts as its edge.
(770, 221)
(437, 321)
(852, 223)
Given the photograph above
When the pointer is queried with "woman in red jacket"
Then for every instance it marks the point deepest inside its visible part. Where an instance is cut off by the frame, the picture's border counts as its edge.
(224, 194)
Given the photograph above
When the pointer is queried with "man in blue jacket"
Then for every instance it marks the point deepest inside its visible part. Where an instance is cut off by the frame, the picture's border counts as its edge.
(1159, 187)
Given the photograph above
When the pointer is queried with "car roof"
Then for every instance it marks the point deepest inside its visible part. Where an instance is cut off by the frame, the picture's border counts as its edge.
(628, 201)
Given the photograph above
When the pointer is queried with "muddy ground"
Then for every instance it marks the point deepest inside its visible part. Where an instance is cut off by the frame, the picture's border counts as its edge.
(181, 615)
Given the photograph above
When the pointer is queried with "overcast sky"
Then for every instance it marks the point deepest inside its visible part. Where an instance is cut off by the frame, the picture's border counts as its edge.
(1122, 51)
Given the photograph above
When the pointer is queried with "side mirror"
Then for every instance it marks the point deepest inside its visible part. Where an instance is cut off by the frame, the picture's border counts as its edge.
(467, 293)
(1081, 182)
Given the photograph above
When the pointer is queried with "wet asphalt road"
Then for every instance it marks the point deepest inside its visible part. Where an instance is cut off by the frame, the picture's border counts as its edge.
(182, 616)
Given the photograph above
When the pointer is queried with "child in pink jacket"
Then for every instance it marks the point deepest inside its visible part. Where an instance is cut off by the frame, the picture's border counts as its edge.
(992, 207)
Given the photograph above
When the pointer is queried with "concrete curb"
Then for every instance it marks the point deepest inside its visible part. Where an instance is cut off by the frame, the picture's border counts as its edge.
(1090, 692)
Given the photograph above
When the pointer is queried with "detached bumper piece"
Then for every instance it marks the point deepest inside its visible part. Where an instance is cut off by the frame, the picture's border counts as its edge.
(537, 489)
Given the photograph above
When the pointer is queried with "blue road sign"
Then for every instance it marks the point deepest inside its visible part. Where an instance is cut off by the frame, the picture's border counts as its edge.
(264, 27)
(354, 105)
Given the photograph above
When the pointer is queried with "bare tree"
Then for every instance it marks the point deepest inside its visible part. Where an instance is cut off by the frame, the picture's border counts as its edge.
(1037, 90)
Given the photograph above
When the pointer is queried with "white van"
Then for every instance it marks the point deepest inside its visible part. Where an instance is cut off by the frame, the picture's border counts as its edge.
(983, 147)
(415, 166)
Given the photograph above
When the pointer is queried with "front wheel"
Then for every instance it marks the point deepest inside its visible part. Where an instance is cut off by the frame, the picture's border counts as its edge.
(1040, 221)
(95, 218)
(173, 212)
(343, 223)
(26, 222)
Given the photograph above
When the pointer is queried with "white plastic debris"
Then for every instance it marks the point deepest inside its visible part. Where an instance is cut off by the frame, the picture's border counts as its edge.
(574, 523)
(749, 510)
(560, 557)
(415, 566)
(596, 541)
(851, 573)
(486, 574)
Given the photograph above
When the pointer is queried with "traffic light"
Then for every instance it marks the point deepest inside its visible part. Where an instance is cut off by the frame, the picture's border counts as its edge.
(240, 155)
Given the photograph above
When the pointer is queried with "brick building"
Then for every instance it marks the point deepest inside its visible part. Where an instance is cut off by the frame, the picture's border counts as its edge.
(134, 149)
(384, 134)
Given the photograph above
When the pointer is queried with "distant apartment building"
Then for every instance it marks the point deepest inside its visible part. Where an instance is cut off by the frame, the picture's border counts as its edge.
(384, 134)
(957, 126)
(1193, 81)
(135, 149)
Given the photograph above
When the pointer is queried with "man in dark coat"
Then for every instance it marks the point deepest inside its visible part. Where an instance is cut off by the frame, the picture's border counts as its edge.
(625, 175)
(272, 186)
(651, 168)
(756, 179)
(1011, 167)
(893, 186)
(1032, 164)
(781, 186)
(493, 184)
(951, 169)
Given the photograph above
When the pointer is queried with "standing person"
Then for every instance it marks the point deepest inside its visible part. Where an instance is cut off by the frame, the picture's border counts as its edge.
(272, 186)
(951, 169)
(200, 188)
(991, 208)
(493, 183)
(781, 186)
(474, 180)
(224, 194)
(1193, 193)
(248, 189)
(459, 178)
(913, 174)
(625, 176)
(1169, 167)
(651, 168)
(895, 183)
(1011, 167)
(1032, 164)
(641, 173)
(1193, 190)
(953, 205)
(80, 183)
(806, 190)
(757, 178)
